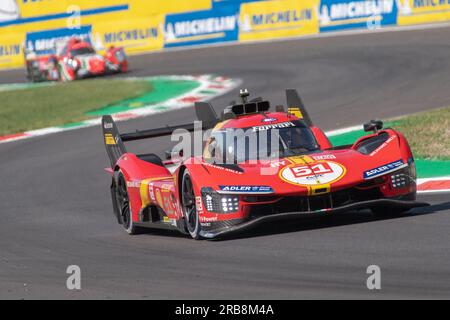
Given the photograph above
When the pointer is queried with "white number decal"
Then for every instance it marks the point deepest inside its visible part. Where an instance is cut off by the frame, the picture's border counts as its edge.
(317, 173)
(317, 169)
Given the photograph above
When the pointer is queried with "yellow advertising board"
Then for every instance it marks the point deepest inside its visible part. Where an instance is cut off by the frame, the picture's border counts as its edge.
(137, 35)
(278, 19)
(136, 25)
(10, 50)
(35, 8)
(422, 11)
(139, 25)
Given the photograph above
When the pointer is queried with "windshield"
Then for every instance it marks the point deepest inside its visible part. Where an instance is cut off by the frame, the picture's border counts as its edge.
(81, 51)
(268, 141)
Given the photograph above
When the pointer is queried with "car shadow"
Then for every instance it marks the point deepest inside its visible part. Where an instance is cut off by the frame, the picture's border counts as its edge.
(330, 221)
(306, 223)
(163, 233)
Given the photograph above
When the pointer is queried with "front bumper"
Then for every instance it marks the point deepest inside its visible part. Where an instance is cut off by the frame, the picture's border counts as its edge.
(230, 229)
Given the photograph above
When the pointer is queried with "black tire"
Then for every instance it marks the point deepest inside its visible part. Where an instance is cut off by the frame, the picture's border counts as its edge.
(123, 205)
(116, 210)
(189, 207)
(32, 76)
(388, 212)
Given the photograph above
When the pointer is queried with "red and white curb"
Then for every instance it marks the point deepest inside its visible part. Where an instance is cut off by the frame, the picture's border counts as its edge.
(211, 86)
(433, 185)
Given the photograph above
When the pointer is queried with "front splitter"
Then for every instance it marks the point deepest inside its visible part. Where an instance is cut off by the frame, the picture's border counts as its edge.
(296, 215)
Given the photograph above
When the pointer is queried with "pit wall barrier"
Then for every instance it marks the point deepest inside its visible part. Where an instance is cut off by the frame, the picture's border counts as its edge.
(146, 26)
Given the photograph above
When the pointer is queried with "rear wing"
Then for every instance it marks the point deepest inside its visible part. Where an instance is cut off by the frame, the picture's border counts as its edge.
(296, 107)
(114, 141)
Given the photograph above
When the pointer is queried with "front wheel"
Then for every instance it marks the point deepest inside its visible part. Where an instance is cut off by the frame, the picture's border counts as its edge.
(188, 204)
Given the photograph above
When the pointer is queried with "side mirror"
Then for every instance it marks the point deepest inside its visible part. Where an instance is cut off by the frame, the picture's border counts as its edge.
(373, 125)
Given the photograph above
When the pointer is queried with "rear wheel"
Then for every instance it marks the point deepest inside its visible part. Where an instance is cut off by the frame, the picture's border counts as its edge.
(32, 75)
(123, 205)
(188, 204)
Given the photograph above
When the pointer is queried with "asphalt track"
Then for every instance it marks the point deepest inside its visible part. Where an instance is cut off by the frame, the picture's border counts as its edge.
(56, 210)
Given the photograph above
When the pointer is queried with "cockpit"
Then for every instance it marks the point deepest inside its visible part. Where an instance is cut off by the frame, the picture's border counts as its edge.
(264, 142)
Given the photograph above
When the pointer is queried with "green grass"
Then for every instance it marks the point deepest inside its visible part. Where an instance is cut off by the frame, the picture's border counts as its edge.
(62, 103)
(428, 133)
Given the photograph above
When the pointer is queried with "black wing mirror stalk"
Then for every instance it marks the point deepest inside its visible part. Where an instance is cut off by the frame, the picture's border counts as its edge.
(373, 125)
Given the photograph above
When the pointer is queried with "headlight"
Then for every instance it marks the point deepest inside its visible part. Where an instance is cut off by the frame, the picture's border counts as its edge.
(399, 180)
(404, 178)
(220, 203)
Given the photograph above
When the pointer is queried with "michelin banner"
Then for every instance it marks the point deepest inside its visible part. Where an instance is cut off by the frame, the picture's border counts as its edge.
(217, 24)
(277, 19)
(145, 26)
(335, 15)
(423, 11)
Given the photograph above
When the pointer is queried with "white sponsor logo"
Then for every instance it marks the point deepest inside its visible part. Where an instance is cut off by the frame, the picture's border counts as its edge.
(269, 120)
(249, 189)
(133, 184)
(199, 27)
(274, 126)
(324, 157)
(384, 169)
(208, 219)
(355, 9)
(221, 168)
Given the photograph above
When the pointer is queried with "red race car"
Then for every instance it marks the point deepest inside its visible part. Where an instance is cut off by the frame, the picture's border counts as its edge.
(257, 166)
(75, 59)
(41, 67)
(78, 59)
